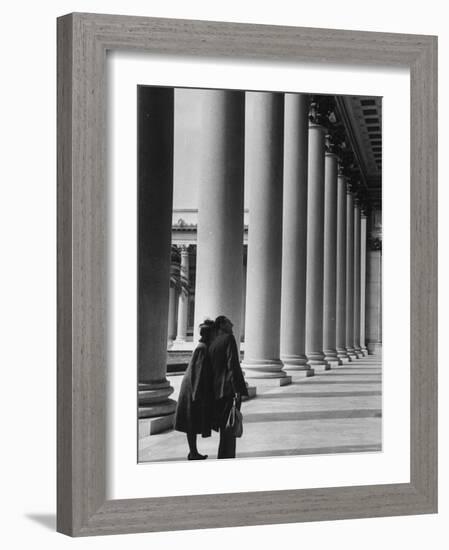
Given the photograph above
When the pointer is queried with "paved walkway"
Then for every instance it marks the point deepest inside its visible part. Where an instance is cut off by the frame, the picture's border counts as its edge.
(336, 411)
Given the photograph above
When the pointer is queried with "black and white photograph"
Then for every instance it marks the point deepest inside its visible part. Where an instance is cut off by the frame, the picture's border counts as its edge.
(220, 299)
(259, 274)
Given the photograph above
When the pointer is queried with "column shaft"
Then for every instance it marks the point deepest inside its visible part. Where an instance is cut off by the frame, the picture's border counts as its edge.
(330, 260)
(315, 249)
(219, 264)
(350, 275)
(264, 125)
(374, 282)
(294, 240)
(357, 348)
(155, 196)
(363, 283)
(183, 301)
(342, 354)
(172, 314)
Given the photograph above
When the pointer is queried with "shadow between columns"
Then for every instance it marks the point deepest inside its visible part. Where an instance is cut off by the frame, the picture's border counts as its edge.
(313, 451)
(325, 382)
(310, 415)
(314, 395)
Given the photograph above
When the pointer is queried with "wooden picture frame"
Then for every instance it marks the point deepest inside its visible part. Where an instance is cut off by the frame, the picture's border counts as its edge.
(83, 40)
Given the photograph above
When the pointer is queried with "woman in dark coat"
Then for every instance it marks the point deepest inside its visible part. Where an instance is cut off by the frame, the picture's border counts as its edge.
(194, 408)
(227, 383)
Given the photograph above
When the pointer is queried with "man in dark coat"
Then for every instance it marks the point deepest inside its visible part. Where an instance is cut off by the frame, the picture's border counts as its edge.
(227, 382)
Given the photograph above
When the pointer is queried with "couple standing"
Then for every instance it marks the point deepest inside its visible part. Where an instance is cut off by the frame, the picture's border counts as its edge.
(212, 380)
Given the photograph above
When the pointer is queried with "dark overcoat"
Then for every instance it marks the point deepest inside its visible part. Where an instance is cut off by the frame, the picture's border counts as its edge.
(194, 407)
(227, 376)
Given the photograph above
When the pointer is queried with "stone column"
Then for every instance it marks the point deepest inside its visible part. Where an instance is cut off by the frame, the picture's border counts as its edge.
(350, 274)
(183, 300)
(172, 314)
(357, 348)
(315, 249)
(264, 126)
(219, 266)
(242, 322)
(363, 283)
(374, 281)
(155, 193)
(294, 240)
(330, 258)
(374, 301)
(342, 354)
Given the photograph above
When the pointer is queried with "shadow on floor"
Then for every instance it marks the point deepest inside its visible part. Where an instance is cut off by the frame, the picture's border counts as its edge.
(337, 449)
(313, 395)
(310, 415)
(313, 451)
(324, 381)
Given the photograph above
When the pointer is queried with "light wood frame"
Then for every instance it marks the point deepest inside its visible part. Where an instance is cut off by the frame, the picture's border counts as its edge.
(83, 40)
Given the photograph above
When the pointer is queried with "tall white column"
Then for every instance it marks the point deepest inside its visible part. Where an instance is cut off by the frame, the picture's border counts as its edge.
(374, 281)
(183, 300)
(294, 240)
(342, 354)
(155, 186)
(363, 283)
(264, 125)
(330, 259)
(350, 274)
(357, 348)
(219, 267)
(315, 249)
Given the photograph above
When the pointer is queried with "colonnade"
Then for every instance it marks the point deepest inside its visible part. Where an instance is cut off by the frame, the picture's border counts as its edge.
(305, 286)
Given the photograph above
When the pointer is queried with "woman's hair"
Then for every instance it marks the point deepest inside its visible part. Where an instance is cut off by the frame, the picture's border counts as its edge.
(219, 321)
(207, 330)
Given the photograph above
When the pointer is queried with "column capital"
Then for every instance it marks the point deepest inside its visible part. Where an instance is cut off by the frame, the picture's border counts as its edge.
(330, 146)
(315, 116)
(341, 170)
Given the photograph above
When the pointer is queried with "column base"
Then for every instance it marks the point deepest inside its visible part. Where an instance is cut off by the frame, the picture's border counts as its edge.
(294, 362)
(299, 371)
(331, 358)
(272, 382)
(266, 369)
(307, 372)
(374, 348)
(155, 407)
(321, 367)
(364, 351)
(343, 356)
(316, 361)
(351, 353)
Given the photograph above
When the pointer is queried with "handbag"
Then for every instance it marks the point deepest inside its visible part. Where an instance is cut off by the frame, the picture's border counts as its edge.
(234, 423)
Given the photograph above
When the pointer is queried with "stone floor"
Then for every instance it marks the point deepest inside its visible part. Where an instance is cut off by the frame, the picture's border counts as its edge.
(336, 411)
